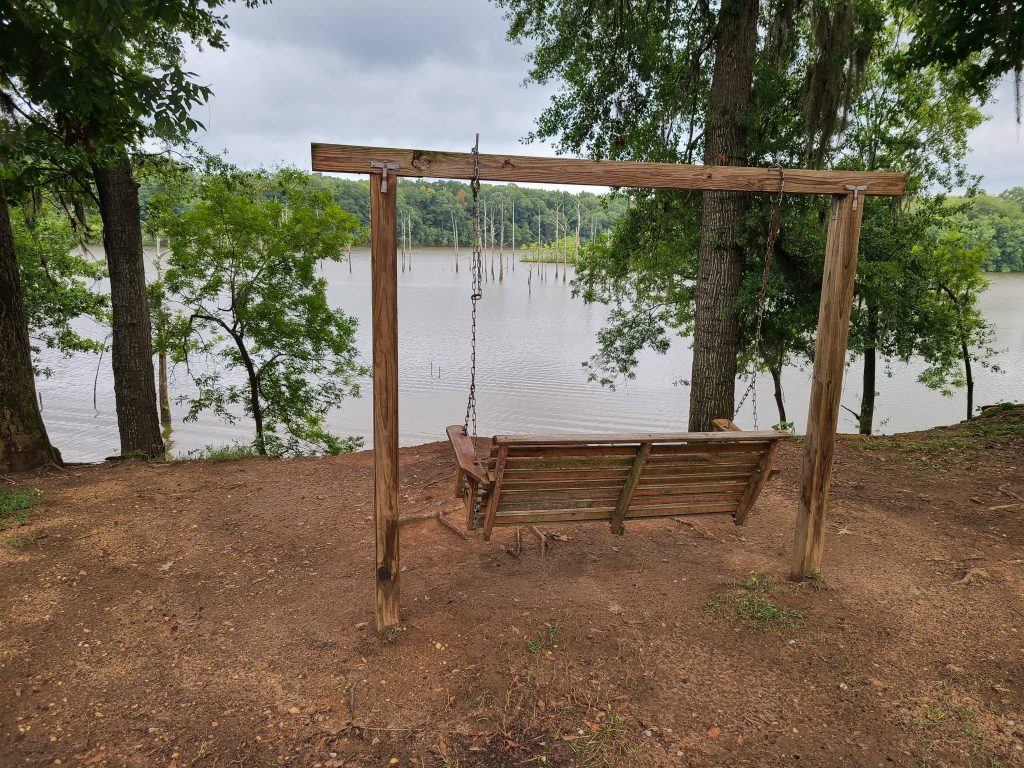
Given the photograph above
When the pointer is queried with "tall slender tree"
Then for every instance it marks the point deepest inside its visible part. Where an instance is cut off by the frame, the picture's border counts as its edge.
(95, 80)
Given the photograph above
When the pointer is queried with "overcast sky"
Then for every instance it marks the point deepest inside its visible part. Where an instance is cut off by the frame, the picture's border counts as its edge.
(414, 73)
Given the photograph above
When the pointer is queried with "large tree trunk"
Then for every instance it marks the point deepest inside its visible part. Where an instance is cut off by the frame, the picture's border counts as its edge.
(716, 332)
(132, 347)
(24, 444)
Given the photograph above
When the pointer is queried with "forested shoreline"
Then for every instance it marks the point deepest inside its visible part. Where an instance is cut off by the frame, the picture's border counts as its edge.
(98, 144)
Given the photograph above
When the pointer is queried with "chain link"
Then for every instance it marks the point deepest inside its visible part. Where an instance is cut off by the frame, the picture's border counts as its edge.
(476, 295)
(774, 225)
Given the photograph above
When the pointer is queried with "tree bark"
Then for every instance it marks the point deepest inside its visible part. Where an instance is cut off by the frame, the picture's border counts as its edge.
(716, 333)
(866, 419)
(165, 398)
(969, 375)
(132, 344)
(24, 444)
(779, 401)
(254, 393)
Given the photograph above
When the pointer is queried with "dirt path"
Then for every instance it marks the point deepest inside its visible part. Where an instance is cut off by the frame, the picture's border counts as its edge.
(220, 614)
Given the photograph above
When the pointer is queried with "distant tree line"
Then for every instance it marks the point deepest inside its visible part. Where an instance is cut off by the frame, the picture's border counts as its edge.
(438, 210)
(997, 223)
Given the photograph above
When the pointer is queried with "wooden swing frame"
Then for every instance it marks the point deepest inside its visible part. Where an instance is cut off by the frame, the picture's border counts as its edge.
(385, 165)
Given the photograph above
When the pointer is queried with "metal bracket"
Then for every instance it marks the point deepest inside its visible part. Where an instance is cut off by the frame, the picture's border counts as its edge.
(384, 168)
(855, 189)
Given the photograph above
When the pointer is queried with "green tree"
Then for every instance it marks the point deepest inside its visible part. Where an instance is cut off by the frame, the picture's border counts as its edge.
(91, 82)
(244, 274)
(984, 37)
(675, 81)
(58, 281)
(24, 443)
(998, 223)
(955, 264)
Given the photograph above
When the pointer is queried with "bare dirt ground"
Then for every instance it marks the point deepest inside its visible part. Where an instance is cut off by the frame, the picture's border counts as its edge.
(220, 614)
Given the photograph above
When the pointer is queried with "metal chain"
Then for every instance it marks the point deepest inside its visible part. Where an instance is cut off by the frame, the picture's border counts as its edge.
(774, 225)
(477, 292)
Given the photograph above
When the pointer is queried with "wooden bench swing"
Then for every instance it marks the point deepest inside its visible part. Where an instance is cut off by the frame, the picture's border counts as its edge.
(527, 480)
(607, 477)
(530, 479)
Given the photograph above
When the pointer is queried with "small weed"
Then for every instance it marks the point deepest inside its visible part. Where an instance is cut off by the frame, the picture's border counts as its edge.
(974, 732)
(390, 636)
(16, 505)
(716, 606)
(817, 581)
(545, 637)
(751, 600)
(931, 717)
(964, 713)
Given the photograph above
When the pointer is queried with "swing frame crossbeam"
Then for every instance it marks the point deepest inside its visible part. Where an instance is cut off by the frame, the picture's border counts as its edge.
(846, 188)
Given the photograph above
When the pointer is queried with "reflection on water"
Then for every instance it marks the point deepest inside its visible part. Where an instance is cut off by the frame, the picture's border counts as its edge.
(534, 340)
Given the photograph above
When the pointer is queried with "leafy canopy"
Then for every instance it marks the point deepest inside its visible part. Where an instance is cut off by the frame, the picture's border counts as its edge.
(244, 279)
(59, 282)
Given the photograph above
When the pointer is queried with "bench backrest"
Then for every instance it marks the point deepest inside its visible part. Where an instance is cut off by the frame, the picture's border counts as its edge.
(559, 478)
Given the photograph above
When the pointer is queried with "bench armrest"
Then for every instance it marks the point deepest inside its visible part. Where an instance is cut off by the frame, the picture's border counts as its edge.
(465, 453)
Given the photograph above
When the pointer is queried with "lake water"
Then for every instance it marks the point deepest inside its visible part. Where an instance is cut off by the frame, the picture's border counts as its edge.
(533, 339)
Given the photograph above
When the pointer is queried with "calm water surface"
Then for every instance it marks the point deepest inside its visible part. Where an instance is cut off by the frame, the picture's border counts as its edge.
(533, 339)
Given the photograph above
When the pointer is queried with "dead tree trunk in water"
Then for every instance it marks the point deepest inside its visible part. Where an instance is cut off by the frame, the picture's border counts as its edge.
(24, 444)
(513, 234)
(720, 270)
(501, 245)
(455, 240)
(162, 320)
(132, 346)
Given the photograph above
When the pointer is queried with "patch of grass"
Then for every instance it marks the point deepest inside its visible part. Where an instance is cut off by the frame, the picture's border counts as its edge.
(992, 428)
(978, 734)
(751, 601)
(545, 637)
(816, 580)
(231, 452)
(964, 713)
(596, 743)
(16, 506)
(931, 717)
(20, 542)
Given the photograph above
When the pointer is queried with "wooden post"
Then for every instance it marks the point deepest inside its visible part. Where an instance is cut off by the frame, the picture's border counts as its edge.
(629, 488)
(827, 383)
(384, 288)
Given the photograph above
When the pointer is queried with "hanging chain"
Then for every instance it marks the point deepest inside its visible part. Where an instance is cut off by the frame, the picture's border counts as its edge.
(774, 225)
(476, 294)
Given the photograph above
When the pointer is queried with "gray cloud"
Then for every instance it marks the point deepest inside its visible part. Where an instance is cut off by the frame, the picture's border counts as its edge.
(997, 146)
(395, 73)
(419, 73)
